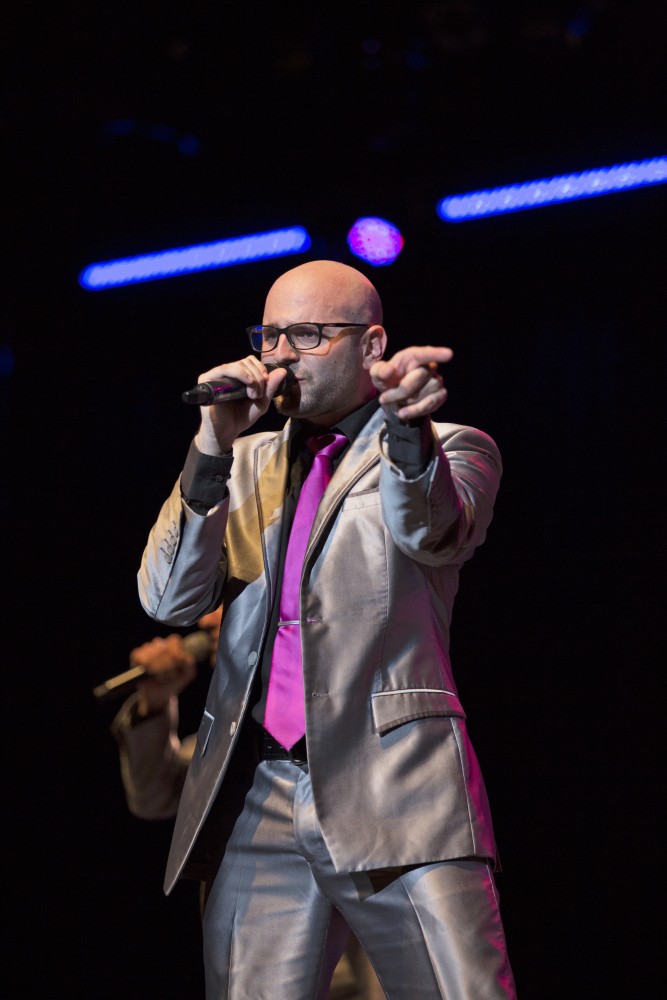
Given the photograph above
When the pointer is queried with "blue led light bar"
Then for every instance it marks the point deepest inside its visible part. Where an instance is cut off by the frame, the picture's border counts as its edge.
(551, 190)
(199, 257)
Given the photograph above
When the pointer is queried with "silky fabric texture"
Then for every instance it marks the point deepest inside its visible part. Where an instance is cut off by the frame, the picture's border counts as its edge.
(278, 896)
(285, 716)
(395, 777)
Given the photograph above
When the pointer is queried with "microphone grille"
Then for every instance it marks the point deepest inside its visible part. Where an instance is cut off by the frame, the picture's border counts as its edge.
(289, 379)
(198, 644)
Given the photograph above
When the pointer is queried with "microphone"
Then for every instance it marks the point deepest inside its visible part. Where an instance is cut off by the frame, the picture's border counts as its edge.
(198, 644)
(222, 390)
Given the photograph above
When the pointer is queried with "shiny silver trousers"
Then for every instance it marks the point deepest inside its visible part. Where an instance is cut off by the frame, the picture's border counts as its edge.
(277, 915)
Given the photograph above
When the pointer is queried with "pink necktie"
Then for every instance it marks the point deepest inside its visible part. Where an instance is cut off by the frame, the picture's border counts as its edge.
(284, 717)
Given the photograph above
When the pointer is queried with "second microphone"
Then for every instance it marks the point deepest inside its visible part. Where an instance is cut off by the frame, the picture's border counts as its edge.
(197, 644)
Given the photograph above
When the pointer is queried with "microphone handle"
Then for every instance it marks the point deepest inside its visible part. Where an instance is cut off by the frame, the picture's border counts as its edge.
(121, 685)
(222, 390)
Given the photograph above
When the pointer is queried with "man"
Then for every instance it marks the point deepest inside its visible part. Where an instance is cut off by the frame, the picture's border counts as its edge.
(376, 816)
(153, 759)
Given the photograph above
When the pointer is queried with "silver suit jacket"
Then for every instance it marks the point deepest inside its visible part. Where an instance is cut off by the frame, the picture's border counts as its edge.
(395, 778)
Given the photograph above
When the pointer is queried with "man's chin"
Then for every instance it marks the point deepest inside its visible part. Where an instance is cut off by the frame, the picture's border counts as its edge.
(288, 404)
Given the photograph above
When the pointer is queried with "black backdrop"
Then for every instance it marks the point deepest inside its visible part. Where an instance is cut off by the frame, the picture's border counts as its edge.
(556, 319)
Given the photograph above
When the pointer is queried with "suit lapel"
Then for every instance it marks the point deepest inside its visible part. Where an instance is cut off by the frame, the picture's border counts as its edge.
(270, 480)
(364, 452)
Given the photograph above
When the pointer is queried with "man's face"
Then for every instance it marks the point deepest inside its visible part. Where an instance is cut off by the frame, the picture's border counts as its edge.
(331, 380)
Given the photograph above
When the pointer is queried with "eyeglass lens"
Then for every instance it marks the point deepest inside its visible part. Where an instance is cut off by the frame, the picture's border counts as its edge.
(302, 336)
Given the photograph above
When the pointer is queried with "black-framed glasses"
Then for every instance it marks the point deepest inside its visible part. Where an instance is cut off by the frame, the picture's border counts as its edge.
(300, 336)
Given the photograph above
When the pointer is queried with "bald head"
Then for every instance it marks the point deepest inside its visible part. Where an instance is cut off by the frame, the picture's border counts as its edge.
(332, 379)
(323, 290)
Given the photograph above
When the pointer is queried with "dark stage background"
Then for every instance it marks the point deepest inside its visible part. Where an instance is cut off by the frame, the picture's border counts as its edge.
(241, 118)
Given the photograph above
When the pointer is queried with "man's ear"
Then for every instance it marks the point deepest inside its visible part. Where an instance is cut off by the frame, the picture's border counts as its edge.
(374, 344)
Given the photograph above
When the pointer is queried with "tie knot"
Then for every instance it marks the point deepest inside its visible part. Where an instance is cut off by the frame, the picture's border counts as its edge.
(326, 445)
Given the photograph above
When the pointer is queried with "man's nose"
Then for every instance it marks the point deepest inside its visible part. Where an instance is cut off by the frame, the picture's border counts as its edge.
(283, 351)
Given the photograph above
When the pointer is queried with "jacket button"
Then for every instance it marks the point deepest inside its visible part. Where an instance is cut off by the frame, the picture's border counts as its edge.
(252, 658)
(232, 729)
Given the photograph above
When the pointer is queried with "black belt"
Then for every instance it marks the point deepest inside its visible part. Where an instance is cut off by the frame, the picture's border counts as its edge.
(270, 749)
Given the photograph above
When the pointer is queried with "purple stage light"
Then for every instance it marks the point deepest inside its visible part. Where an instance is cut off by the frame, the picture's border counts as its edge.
(375, 240)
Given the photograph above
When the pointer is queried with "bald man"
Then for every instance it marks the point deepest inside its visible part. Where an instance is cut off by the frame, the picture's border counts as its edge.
(333, 784)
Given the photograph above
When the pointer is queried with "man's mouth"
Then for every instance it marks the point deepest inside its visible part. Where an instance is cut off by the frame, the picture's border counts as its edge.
(291, 378)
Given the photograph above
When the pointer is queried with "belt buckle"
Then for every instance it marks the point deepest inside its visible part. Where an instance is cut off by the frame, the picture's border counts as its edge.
(270, 749)
(298, 754)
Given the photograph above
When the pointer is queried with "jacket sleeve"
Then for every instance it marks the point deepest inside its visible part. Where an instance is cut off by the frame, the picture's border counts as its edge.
(443, 515)
(153, 761)
(183, 566)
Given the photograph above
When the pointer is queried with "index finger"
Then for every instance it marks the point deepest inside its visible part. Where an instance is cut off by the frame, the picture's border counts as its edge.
(414, 357)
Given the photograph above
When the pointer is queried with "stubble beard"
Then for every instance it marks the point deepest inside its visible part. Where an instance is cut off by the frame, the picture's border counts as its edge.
(310, 397)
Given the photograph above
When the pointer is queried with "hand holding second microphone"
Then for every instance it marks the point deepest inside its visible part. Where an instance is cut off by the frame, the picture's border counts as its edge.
(169, 668)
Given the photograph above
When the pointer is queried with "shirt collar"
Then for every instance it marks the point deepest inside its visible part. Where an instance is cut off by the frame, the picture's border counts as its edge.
(349, 425)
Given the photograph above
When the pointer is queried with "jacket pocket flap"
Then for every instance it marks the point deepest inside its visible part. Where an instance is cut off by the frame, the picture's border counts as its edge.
(364, 498)
(393, 708)
(205, 727)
